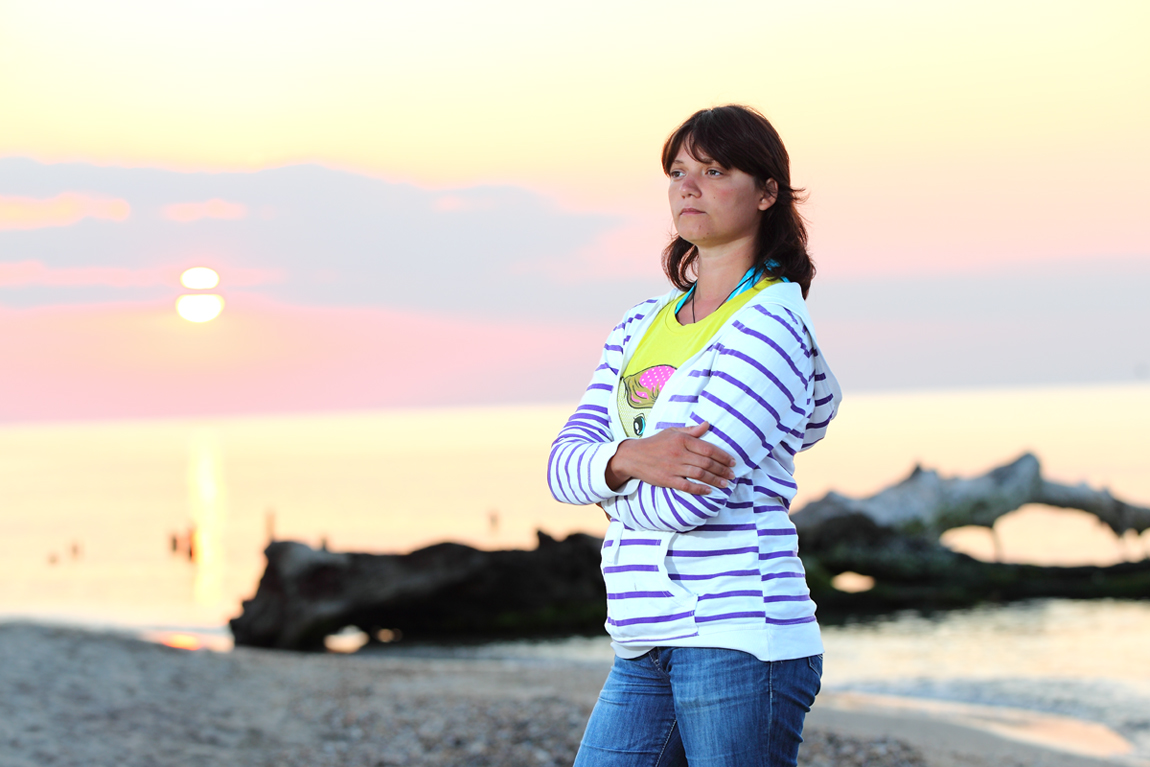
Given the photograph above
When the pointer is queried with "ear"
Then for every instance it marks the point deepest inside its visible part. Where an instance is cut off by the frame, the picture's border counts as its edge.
(770, 194)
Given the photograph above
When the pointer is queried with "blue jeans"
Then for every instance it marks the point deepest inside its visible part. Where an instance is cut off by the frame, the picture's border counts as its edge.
(703, 707)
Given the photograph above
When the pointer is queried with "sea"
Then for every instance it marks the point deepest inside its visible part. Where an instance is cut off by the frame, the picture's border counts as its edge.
(157, 528)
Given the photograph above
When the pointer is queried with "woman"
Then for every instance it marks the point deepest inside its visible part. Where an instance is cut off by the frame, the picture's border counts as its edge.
(686, 437)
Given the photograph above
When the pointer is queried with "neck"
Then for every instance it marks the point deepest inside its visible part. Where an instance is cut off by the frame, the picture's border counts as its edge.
(720, 269)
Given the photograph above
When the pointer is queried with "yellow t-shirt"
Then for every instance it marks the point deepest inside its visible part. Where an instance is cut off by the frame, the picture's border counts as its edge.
(663, 349)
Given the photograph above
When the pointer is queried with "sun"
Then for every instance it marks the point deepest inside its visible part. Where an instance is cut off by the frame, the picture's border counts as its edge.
(200, 307)
(200, 278)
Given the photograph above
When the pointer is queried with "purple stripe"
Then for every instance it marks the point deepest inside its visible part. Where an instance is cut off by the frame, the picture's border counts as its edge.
(593, 408)
(631, 511)
(686, 500)
(605, 366)
(761, 310)
(788, 448)
(725, 594)
(740, 504)
(602, 387)
(777, 531)
(820, 376)
(612, 348)
(650, 619)
(771, 343)
(787, 598)
(669, 425)
(824, 400)
(715, 553)
(783, 482)
(725, 616)
(579, 477)
(777, 555)
(592, 417)
(658, 640)
(820, 424)
(776, 576)
(569, 488)
(670, 505)
(683, 398)
(632, 542)
(717, 528)
(640, 595)
(709, 576)
(789, 621)
(747, 390)
(631, 569)
(730, 442)
(741, 418)
(594, 436)
(726, 350)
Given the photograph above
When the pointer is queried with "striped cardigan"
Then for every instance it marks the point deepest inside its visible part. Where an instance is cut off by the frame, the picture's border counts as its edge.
(720, 570)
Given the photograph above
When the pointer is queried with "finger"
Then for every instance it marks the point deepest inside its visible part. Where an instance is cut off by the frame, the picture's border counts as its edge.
(718, 468)
(687, 486)
(707, 450)
(697, 430)
(696, 474)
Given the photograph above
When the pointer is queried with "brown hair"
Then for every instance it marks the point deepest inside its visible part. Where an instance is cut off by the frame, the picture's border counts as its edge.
(739, 137)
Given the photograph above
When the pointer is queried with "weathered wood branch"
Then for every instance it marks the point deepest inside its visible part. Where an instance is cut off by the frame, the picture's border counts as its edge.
(927, 503)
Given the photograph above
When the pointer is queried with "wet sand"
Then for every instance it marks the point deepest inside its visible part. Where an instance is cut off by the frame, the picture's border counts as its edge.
(71, 697)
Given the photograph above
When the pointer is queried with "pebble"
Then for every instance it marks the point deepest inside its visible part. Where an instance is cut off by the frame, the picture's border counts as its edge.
(71, 697)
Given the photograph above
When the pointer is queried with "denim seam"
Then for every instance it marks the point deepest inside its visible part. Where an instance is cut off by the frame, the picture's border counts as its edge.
(771, 669)
(663, 748)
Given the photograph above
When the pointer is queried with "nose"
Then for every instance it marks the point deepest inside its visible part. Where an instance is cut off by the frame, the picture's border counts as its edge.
(688, 187)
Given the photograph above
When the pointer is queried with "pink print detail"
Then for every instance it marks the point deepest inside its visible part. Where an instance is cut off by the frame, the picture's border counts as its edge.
(654, 378)
(642, 388)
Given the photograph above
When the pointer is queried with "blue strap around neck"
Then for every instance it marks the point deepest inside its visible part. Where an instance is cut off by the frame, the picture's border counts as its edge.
(749, 280)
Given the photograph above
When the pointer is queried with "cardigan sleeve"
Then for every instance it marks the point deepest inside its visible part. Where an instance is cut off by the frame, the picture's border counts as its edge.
(577, 465)
(756, 395)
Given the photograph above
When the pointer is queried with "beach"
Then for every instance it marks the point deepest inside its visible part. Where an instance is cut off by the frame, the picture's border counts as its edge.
(79, 697)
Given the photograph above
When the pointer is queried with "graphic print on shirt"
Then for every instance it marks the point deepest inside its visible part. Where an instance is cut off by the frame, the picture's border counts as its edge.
(637, 396)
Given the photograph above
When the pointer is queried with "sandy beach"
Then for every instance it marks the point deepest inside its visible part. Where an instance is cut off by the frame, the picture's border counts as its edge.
(72, 697)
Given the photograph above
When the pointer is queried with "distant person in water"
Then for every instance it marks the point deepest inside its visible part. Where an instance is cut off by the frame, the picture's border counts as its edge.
(686, 438)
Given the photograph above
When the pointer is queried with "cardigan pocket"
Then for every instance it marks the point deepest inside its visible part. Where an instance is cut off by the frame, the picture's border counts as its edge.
(644, 606)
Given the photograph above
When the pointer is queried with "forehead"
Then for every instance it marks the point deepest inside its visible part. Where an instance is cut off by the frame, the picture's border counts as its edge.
(689, 151)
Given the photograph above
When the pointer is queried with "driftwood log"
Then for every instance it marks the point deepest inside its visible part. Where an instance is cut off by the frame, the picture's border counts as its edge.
(893, 537)
(454, 591)
(446, 590)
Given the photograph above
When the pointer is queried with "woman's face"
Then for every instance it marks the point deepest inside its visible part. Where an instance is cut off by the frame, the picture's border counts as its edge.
(712, 205)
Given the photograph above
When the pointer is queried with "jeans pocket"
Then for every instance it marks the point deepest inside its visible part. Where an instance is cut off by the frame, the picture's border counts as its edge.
(815, 663)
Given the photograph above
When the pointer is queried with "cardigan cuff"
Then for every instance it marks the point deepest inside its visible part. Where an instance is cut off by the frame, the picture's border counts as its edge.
(598, 470)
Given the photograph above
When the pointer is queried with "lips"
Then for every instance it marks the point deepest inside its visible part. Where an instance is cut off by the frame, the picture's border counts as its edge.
(687, 211)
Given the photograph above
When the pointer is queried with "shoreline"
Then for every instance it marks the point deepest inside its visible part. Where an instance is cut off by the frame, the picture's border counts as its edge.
(71, 696)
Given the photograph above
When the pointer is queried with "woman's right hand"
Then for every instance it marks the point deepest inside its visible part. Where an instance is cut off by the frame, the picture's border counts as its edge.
(675, 458)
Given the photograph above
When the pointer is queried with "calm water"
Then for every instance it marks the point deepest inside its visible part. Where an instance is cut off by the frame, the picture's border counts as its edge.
(89, 513)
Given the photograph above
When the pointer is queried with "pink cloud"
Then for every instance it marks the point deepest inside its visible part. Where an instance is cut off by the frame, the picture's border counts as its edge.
(259, 356)
(632, 250)
(186, 212)
(25, 273)
(62, 210)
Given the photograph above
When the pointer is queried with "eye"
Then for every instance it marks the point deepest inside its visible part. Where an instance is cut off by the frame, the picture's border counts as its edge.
(638, 425)
(714, 172)
(675, 174)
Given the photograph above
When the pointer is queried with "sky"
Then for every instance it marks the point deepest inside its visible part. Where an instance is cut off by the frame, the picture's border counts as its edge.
(451, 203)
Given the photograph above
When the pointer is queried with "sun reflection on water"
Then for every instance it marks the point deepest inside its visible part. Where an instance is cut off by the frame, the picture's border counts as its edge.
(207, 503)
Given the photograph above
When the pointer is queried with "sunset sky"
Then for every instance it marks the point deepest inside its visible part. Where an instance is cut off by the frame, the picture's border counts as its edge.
(451, 203)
